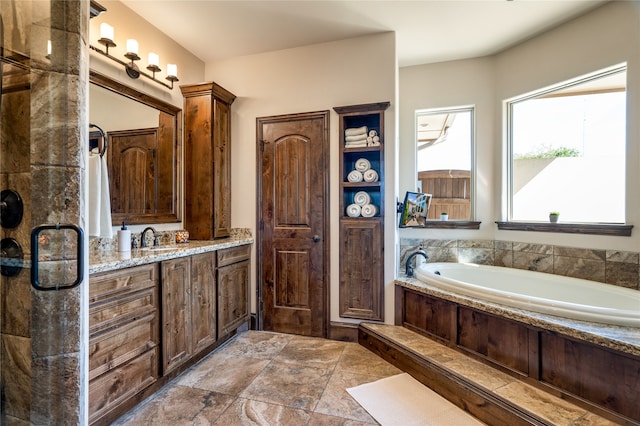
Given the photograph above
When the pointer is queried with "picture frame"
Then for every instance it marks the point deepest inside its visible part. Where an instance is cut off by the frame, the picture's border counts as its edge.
(415, 210)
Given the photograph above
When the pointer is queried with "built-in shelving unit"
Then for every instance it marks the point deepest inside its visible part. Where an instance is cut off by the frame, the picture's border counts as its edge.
(361, 291)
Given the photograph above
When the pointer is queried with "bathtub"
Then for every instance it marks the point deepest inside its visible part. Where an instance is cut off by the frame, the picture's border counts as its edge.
(536, 291)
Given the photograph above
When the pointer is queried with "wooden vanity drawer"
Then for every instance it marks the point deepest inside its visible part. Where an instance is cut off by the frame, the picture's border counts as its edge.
(117, 346)
(118, 385)
(233, 255)
(121, 310)
(114, 283)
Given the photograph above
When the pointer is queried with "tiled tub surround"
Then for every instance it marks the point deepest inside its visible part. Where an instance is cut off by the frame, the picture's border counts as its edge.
(615, 267)
(624, 339)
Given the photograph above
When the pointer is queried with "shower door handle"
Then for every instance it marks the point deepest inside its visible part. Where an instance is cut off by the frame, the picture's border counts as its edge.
(35, 232)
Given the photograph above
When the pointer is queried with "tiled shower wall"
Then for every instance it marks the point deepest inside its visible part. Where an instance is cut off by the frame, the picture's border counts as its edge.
(615, 267)
(43, 140)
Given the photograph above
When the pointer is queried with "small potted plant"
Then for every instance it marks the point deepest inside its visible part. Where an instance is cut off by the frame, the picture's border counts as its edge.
(553, 216)
(444, 216)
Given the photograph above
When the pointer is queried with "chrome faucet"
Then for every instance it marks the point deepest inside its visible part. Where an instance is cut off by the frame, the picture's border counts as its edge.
(408, 268)
(156, 239)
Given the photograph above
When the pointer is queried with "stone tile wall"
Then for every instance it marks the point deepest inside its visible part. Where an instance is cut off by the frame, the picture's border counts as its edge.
(615, 267)
(43, 140)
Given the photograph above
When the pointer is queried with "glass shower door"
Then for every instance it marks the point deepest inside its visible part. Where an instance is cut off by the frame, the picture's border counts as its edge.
(43, 327)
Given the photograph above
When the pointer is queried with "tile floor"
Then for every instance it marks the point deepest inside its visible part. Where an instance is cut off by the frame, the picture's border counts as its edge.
(269, 379)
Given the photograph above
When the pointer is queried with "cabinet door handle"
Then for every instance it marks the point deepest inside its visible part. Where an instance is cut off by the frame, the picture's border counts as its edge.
(316, 238)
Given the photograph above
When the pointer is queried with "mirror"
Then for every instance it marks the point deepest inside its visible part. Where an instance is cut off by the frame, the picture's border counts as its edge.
(445, 156)
(143, 142)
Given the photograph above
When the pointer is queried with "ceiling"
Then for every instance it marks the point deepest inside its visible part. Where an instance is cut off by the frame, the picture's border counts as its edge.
(427, 31)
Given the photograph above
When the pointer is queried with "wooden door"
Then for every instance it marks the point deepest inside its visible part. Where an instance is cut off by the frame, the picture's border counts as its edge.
(203, 300)
(293, 233)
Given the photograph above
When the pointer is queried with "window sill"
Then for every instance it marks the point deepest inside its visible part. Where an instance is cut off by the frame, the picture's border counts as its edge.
(452, 224)
(612, 229)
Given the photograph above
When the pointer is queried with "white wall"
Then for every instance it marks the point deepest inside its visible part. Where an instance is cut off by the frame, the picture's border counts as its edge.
(311, 78)
(605, 36)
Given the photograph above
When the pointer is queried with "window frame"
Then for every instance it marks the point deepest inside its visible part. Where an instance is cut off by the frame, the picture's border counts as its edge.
(594, 228)
(471, 223)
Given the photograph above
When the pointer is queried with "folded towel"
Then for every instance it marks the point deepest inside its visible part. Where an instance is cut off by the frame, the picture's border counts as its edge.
(362, 164)
(353, 210)
(369, 210)
(372, 133)
(356, 131)
(355, 176)
(99, 198)
(361, 198)
(359, 144)
(370, 176)
(356, 138)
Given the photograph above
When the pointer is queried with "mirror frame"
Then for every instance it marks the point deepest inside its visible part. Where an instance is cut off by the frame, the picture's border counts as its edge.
(173, 216)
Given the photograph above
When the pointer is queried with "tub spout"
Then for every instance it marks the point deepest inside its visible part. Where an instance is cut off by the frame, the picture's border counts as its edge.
(408, 268)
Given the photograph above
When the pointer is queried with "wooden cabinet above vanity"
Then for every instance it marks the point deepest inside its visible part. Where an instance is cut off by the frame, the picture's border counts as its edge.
(150, 322)
(207, 130)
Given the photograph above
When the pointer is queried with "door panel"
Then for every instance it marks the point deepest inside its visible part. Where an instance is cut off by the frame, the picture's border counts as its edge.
(293, 231)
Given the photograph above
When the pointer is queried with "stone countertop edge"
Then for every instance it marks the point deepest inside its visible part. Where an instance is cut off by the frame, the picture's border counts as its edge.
(114, 260)
(620, 338)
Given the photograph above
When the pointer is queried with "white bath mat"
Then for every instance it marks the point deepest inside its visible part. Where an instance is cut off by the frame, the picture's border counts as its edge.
(403, 401)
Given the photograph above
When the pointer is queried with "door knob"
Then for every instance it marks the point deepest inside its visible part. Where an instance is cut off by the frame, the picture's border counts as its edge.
(316, 238)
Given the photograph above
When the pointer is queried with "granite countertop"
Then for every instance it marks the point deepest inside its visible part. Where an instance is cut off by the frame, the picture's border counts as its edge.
(620, 338)
(104, 261)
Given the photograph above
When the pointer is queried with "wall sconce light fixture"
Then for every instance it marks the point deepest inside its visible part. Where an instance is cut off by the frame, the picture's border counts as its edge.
(132, 70)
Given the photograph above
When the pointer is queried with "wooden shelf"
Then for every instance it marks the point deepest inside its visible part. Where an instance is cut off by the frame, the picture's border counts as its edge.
(361, 294)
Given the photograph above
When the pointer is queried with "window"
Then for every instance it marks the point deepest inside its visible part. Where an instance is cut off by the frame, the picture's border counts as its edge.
(567, 151)
(445, 155)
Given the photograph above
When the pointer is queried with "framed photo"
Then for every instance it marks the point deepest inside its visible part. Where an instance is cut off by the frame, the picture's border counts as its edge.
(414, 210)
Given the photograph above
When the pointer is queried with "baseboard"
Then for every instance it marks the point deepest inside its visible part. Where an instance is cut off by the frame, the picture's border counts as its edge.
(344, 331)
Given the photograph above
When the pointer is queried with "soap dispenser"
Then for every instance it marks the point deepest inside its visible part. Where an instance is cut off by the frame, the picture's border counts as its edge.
(124, 238)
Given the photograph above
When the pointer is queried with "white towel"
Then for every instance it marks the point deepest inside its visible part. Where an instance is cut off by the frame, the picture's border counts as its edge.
(356, 138)
(369, 140)
(353, 210)
(362, 165)
(356, 131)
(361, 198)
(372, 133)
(99, 198)
(359, 144)
(355, 176)
(368, 210)
(370, 176)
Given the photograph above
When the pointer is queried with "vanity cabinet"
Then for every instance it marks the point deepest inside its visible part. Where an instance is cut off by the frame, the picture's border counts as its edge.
(207, 130)
(176, 312)
(361, 287)
(123, 336)
(148, 323)
(233, 288)
(188, 308)
(204, 297)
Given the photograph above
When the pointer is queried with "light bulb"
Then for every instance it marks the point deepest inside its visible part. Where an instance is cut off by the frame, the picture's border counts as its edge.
(106, 31)
(172, 70)
(154, 59)
(132, 46)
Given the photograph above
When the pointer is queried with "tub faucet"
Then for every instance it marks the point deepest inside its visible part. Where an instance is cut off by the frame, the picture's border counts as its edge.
(156, 239)
(408, 268)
